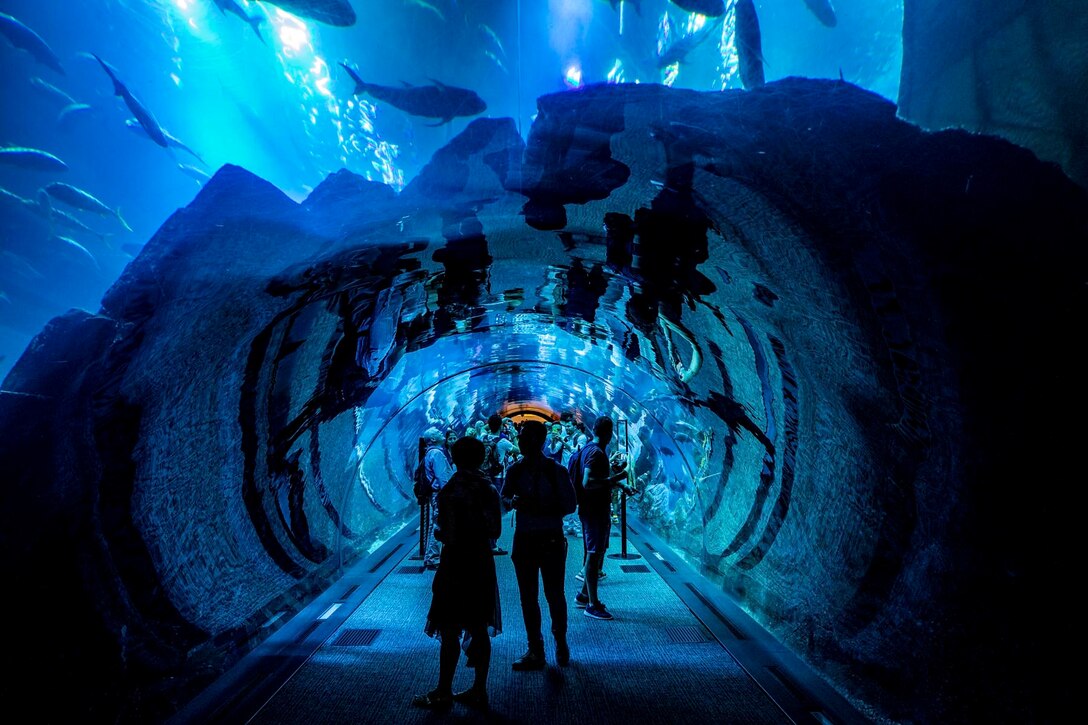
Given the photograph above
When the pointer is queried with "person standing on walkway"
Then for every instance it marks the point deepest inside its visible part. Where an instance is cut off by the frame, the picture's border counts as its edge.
(465, 591)
(498, 448)
(594, 478)
(541, 494)
(436, 466)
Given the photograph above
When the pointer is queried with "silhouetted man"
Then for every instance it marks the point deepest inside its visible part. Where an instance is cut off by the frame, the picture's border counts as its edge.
(597, 479)
(540, 491)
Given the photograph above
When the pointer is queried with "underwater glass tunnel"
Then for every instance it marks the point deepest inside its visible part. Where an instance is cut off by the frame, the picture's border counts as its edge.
(831, 299)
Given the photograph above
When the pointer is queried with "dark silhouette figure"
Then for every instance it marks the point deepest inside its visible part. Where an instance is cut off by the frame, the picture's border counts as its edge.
(539, 490)
(465, 592)
(595, 480)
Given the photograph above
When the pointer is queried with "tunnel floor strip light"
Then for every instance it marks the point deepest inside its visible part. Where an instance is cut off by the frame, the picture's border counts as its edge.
(797, 689)
(244, 689)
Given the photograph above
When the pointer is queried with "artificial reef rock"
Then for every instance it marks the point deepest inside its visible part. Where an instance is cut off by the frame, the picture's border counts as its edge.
(843, 348)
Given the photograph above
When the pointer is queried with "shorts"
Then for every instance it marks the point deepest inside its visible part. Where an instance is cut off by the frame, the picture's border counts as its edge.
(595, 529)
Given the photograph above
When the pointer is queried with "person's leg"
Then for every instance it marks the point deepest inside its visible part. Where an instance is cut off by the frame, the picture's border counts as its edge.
(482, 643)
(441, 697)
(448, 655)
(476, 696)
(527, 569)
(553, 567)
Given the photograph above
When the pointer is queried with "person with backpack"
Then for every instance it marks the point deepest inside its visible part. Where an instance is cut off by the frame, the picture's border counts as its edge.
(594, 477)
(539, 490)
(498, 448)
(435, 473)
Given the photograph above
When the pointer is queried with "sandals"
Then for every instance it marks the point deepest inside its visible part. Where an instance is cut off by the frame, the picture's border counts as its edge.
(433, 701)
(473, 698)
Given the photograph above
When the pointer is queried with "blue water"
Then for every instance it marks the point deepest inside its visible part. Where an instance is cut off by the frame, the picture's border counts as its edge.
(283, 107)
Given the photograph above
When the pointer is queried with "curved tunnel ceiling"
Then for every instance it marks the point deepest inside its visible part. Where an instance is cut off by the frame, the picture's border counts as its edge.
(787, 293)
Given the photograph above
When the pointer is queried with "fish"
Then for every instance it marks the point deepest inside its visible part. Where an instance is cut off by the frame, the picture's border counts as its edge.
(424, 5)
(749, 44)
(194, 173)
(616, 4)
(494, 37)
(72, 245)
(44, 208)
(80, 199)
(496, 60)
(330, 12)
(824, 12)
(33, 159)
(23, 37)
(173, 141)
(710, 8)
(678, 50)
(20, 265)
(71, 112)
(150, 125)
(253, 21)
(131, 250)
(49, 88)
(433, 101)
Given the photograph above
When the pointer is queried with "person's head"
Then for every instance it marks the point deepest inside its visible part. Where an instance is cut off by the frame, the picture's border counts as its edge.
(468, 453)
(531, 438)
(602, 430)
(451, 437)
(494, 423)
(433, 436)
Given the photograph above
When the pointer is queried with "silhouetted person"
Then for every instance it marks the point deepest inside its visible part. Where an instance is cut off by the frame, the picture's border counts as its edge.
(594, 489)
(540, 491)
(497, 450)
(465, 593)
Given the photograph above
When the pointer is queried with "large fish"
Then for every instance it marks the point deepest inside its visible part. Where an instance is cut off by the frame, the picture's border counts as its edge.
(80, 199)
(823, 11)
(678, 50)
(23, 37)
(253, 21)
(44, 208)
(34, 159)
(75, 247)
(150, 125)
(71, 112)
(52, 90)
(330, 12)
(173, 141)
(194, 173)
(712, 8)
(433, 101)
(749, 44)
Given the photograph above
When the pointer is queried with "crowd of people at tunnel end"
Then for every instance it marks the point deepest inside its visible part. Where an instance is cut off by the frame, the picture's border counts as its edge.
(560, 481)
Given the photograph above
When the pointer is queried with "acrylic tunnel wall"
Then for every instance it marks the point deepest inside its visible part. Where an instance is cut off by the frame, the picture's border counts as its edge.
(841, 347)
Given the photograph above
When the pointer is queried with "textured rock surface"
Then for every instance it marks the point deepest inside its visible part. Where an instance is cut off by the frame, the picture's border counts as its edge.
(841, 345)
(1013, 69)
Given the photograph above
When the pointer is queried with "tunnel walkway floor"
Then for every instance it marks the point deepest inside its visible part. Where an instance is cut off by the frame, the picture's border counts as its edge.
(677, 651)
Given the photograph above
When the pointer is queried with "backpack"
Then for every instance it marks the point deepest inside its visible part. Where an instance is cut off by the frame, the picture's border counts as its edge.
(492, 465)
(574, 470)
(422, 484)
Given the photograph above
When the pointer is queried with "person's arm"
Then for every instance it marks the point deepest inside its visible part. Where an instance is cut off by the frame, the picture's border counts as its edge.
(511, 488)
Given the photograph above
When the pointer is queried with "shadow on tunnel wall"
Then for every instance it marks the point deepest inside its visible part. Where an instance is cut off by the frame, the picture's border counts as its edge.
(844, 348)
